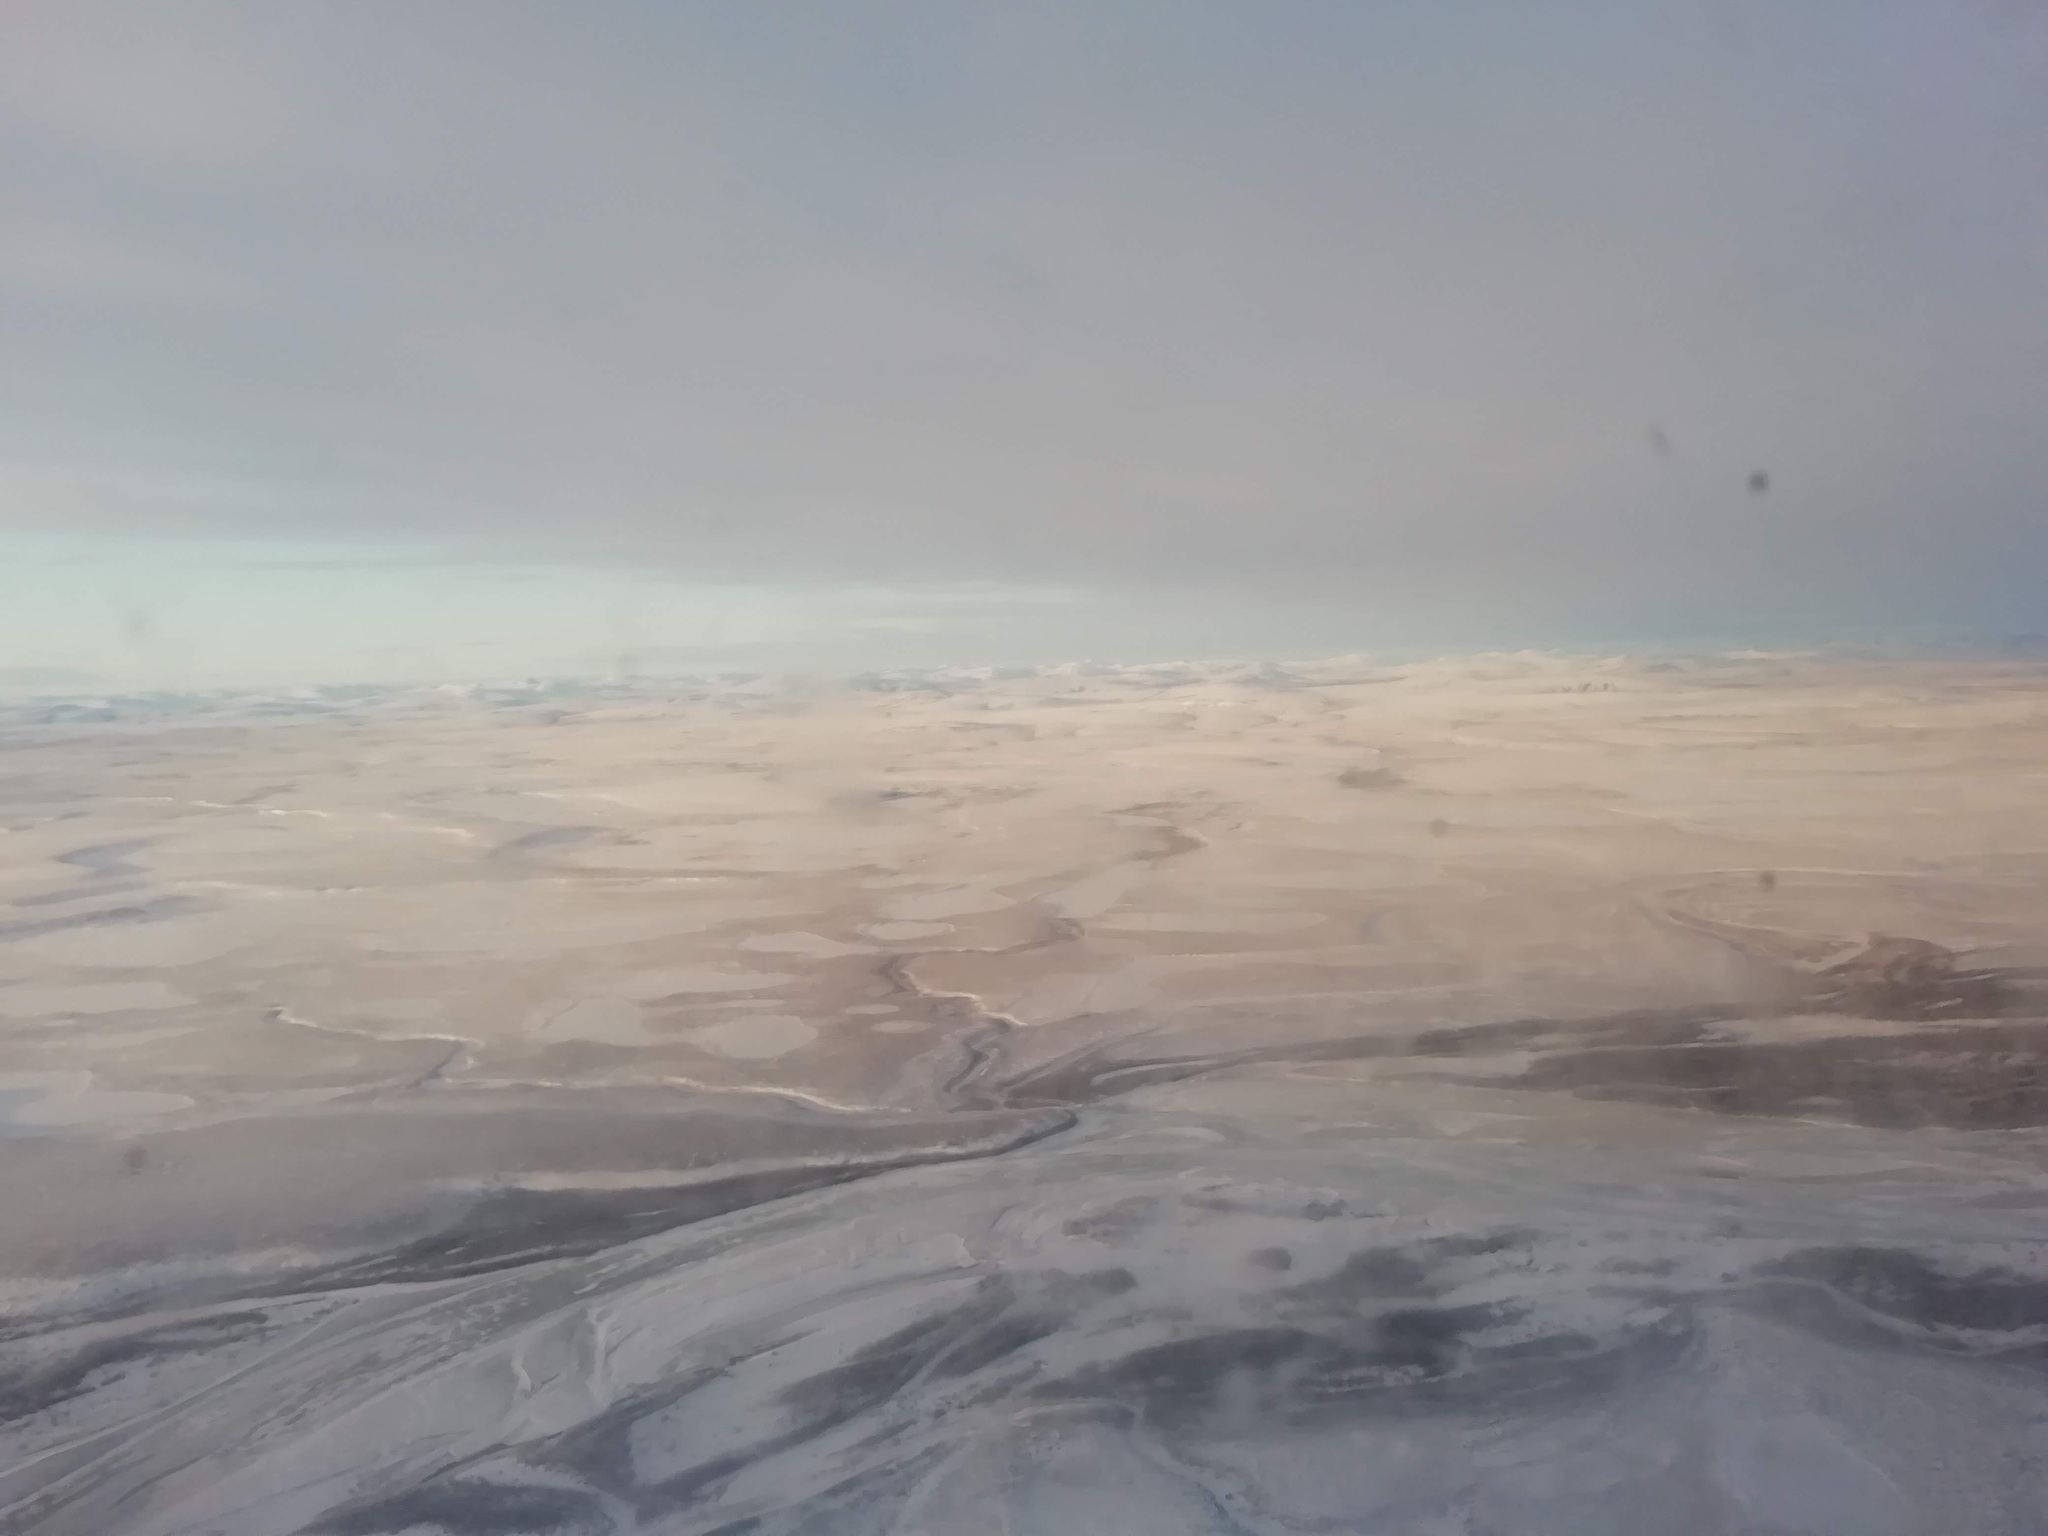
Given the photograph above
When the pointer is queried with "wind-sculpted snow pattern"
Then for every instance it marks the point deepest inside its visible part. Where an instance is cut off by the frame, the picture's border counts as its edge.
(1517, 1095)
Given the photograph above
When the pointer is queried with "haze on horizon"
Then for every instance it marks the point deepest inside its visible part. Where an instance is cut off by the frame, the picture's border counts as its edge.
(1458, 943)
(339, 332)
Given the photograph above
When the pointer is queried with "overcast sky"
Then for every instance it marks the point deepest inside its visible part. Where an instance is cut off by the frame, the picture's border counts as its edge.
(1265, 325)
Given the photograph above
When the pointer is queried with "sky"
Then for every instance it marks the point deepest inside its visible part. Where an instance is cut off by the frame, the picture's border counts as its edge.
(438, 337)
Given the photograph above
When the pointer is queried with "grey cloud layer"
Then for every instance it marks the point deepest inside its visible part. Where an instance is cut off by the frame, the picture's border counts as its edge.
(1307, 297)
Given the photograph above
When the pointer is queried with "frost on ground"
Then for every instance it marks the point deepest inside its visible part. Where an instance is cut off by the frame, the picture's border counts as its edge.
(1513, 1095)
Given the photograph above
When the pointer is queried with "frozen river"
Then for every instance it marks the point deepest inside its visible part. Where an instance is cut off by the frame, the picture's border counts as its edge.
(1511, 1096)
